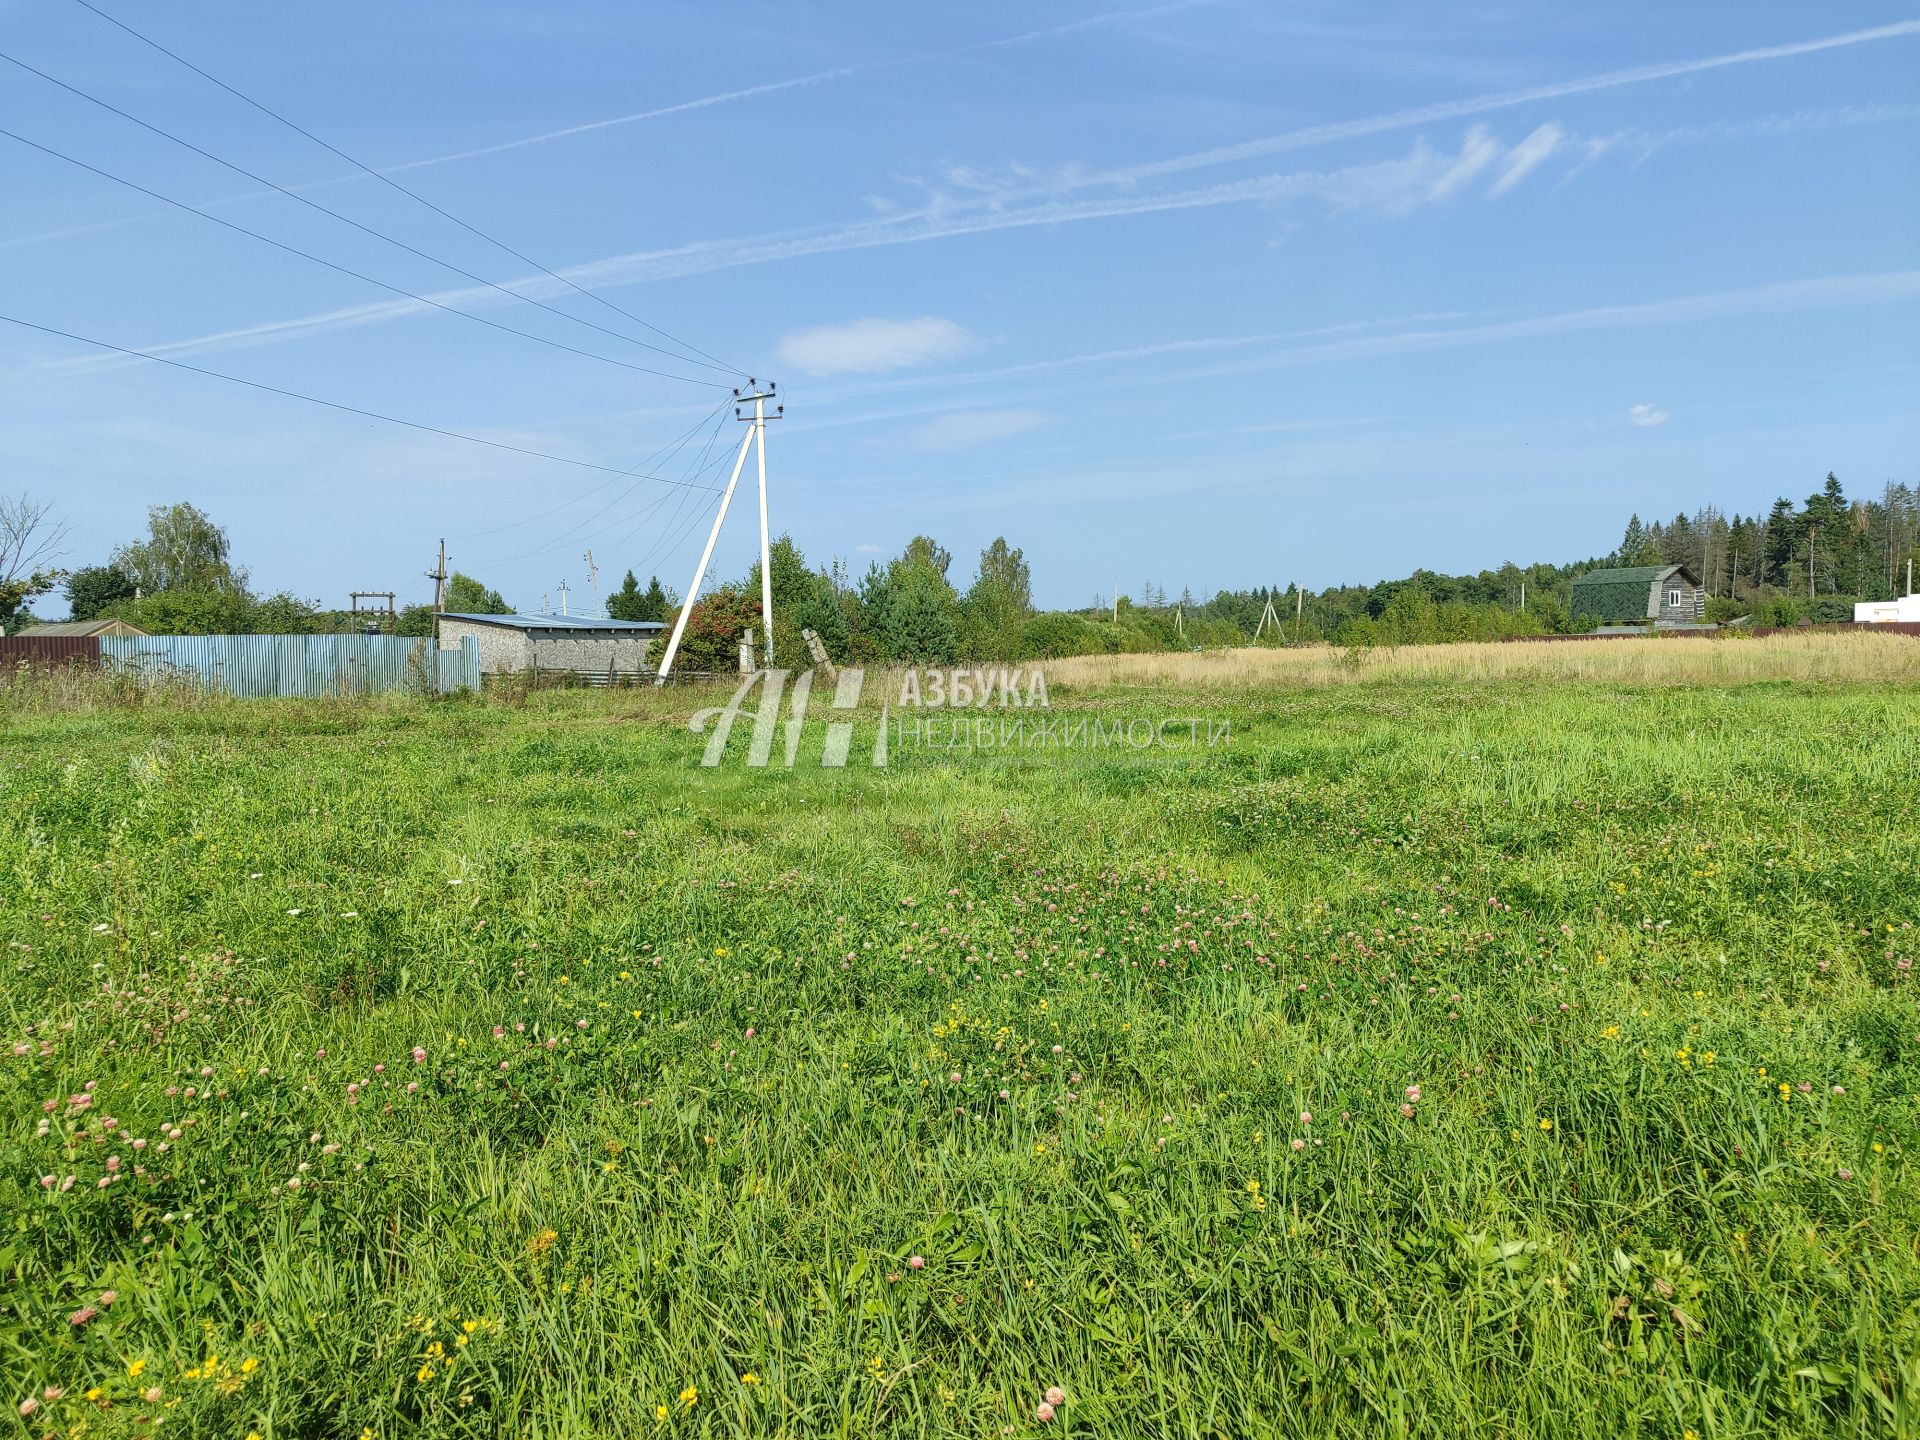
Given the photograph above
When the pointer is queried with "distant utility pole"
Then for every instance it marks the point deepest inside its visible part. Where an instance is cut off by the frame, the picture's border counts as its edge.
(756, 430)
(1523, 597)
(383, 615)
(439, 577)
(1267, 617)
(563, 597)
(1299, 609)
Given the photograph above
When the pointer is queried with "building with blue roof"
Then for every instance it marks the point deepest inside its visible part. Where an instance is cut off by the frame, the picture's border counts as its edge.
(589, 646)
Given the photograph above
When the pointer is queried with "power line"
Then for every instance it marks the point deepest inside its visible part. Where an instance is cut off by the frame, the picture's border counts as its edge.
(704, 463)
(668, 543)
(572, 531)
(671, 446)
(395, 184)
(331, 404)
(357, 225)
(346, 270)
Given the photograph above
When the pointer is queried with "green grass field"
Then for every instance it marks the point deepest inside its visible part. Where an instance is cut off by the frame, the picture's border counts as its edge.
(396, 1069)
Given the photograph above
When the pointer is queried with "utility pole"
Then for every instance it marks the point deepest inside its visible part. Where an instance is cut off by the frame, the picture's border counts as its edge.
(1267, 617)
(756, 430)
(1523, 597)
(439, 577)
(1299, 610)
(563, 597)
(766, 556)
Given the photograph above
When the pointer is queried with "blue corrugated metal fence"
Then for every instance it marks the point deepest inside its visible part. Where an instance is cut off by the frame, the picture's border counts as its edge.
(295, 665)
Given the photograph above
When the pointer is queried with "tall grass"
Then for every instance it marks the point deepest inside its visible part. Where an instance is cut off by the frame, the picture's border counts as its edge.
(1723, 660)
(1410, 1066)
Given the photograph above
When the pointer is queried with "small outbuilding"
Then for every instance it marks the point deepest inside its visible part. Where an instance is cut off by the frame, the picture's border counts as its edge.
(594, 649)
(1902, 611)
(83, 629)
(1637, 594)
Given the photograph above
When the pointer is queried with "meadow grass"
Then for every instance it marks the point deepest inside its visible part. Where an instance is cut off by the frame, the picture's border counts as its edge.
(1514, 1053)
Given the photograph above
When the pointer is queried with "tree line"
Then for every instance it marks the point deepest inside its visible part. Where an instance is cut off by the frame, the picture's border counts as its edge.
(1790, 563)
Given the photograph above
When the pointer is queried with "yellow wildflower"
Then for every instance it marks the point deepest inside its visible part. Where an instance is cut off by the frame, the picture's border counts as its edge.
(749, 1378)
(659, 1412)
(1545, 1124)
(134, 1367)
(690, 1396)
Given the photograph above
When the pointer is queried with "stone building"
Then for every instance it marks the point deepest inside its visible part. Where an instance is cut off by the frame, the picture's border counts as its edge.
(592, 648)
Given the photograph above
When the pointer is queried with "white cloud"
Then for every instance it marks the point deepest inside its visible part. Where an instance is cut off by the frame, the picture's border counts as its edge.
(1645, 415)
(1527, 156)
(1826, 292)
(724, 97)
(1477, 151)
(1484, 104)
(1765, 127)
(874, 346)
(977, 427)
(869, 549)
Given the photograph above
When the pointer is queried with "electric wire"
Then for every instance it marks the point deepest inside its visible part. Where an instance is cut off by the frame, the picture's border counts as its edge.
(411, 194)
(571, 533)
(706, 463)
(348, 270)
(364, 229)
(329, 404)
(703, 467)
(670, 541)
(672, 445)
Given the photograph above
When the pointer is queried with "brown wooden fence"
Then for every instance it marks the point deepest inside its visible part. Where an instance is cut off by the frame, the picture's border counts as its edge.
(49, 650)
(1897, 627)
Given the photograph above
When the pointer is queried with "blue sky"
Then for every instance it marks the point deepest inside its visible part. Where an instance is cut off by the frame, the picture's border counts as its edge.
(1209, 294)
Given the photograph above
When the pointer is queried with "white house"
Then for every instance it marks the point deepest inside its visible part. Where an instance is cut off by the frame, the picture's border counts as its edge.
(1888, 612)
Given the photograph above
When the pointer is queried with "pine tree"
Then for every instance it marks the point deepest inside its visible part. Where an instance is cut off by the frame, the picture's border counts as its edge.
(624, 603)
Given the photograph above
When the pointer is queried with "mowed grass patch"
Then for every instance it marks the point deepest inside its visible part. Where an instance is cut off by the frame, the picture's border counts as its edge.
(1412, 1064)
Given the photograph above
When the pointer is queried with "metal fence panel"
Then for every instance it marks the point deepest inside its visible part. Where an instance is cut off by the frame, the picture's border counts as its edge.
(293, 665)
(460, 669)
(49, 650)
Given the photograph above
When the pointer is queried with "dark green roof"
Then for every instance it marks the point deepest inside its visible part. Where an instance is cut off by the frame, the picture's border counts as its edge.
(1639, 574)
(1624, 593)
